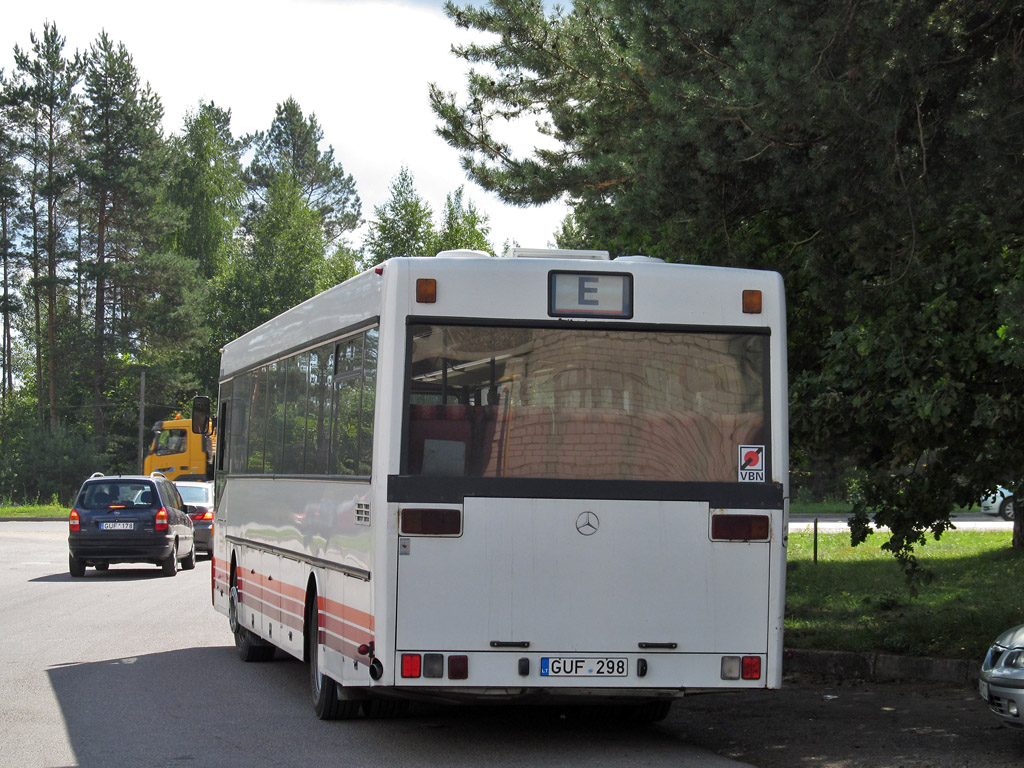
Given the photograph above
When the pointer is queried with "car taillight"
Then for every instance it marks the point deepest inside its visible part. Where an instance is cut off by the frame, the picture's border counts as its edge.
(74, 521)
(161, 519)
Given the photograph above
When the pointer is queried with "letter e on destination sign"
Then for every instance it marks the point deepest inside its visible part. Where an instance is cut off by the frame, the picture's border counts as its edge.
(590, 294)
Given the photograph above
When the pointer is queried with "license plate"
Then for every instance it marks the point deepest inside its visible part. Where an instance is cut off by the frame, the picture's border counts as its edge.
(120, 526)
(583, 667)
(983, 689)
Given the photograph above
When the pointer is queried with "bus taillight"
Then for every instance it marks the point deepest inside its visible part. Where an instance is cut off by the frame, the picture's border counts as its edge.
(735, 667)
(740, 527)
(411, 665)
(458, 667)
(74, 521)
(430, 522)
(751, 667)
(161, 519)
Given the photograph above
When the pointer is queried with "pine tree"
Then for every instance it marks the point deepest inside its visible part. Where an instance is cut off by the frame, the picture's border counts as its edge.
(121, 169)
(292, 147)
(463, 225)
(49, 80)
(868, 152)
(402, 226)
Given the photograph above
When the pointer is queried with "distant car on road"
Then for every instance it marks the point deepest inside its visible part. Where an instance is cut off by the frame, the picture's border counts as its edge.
(1001, 682)
(1000, 503)
(200, 496)
(130, 519)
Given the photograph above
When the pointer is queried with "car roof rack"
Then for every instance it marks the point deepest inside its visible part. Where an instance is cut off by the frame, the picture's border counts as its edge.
(96, 474)
(154, 473)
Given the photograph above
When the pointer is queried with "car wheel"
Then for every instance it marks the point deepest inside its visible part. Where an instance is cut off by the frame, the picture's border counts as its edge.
(76, 566)
(169, 565)
(189, 562)
(250, 648)
(323, 688)
(1006, 509)
(101, 566)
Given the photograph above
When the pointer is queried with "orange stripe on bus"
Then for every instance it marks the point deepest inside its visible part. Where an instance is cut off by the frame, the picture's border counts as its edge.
(346, 613)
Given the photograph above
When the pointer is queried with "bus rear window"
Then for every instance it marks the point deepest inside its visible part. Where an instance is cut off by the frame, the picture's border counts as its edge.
(584, 404)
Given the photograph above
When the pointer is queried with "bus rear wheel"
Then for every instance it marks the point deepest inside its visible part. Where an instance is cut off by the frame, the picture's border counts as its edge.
(325, 691)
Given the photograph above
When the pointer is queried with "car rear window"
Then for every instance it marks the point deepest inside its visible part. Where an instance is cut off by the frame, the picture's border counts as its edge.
(193, 494)
(127, 493)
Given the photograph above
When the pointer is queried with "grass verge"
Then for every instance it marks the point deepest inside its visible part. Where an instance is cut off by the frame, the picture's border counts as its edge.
(856, 598)
(34, 510)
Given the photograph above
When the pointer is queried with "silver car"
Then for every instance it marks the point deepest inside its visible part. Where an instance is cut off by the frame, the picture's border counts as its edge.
(1000, 503)
(200, 496)
(1001, 682)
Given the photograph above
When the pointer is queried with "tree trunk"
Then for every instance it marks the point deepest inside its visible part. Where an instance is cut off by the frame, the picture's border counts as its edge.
(7, 384)
(1018, 527)
(51, 297)
(98, 377)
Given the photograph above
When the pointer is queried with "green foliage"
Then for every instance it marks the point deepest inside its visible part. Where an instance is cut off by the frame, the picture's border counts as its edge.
(282, 265)
(404, 225)
(292, 148)
(123, 251)
(868, 153)
(463, 225)
(207, 186)
(40, 464)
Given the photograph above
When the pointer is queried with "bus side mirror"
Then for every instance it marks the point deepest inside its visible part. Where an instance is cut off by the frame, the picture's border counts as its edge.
(201, 415)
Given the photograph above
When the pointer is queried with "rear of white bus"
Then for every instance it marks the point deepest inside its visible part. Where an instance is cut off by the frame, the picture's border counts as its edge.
(591, 495)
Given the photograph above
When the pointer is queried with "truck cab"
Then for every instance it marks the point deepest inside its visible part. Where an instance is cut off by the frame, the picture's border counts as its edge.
(178, 453)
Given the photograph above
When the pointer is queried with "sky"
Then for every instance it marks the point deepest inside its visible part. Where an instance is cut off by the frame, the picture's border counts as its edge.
(363, 67)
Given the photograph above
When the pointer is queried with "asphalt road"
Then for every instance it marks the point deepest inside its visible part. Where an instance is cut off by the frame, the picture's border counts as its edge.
(129, 668)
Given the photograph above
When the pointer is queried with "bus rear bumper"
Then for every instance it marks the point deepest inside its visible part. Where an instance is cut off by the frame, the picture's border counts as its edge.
(621, 677)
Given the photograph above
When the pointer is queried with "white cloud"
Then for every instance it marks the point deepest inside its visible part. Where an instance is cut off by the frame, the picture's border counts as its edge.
(363, 67)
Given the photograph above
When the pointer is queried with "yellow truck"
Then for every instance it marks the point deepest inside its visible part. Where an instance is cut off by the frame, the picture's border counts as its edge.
(179, 453)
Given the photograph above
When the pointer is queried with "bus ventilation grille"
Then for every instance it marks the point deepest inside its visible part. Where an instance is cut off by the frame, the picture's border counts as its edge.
(362, 513)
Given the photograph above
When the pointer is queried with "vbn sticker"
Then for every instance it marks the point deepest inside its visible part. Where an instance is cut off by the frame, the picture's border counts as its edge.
(751, 464)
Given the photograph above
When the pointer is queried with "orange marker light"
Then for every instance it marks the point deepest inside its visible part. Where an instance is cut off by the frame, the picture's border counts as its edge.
(426, 290)
(752, 302)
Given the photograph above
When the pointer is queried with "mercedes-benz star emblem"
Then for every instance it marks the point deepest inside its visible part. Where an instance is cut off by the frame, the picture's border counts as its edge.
(587, 523)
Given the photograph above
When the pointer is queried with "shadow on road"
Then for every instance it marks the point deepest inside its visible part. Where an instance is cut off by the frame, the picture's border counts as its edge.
(114, 574)
(202, 706)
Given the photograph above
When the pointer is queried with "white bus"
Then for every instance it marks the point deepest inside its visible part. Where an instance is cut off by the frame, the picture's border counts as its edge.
(546, 477)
